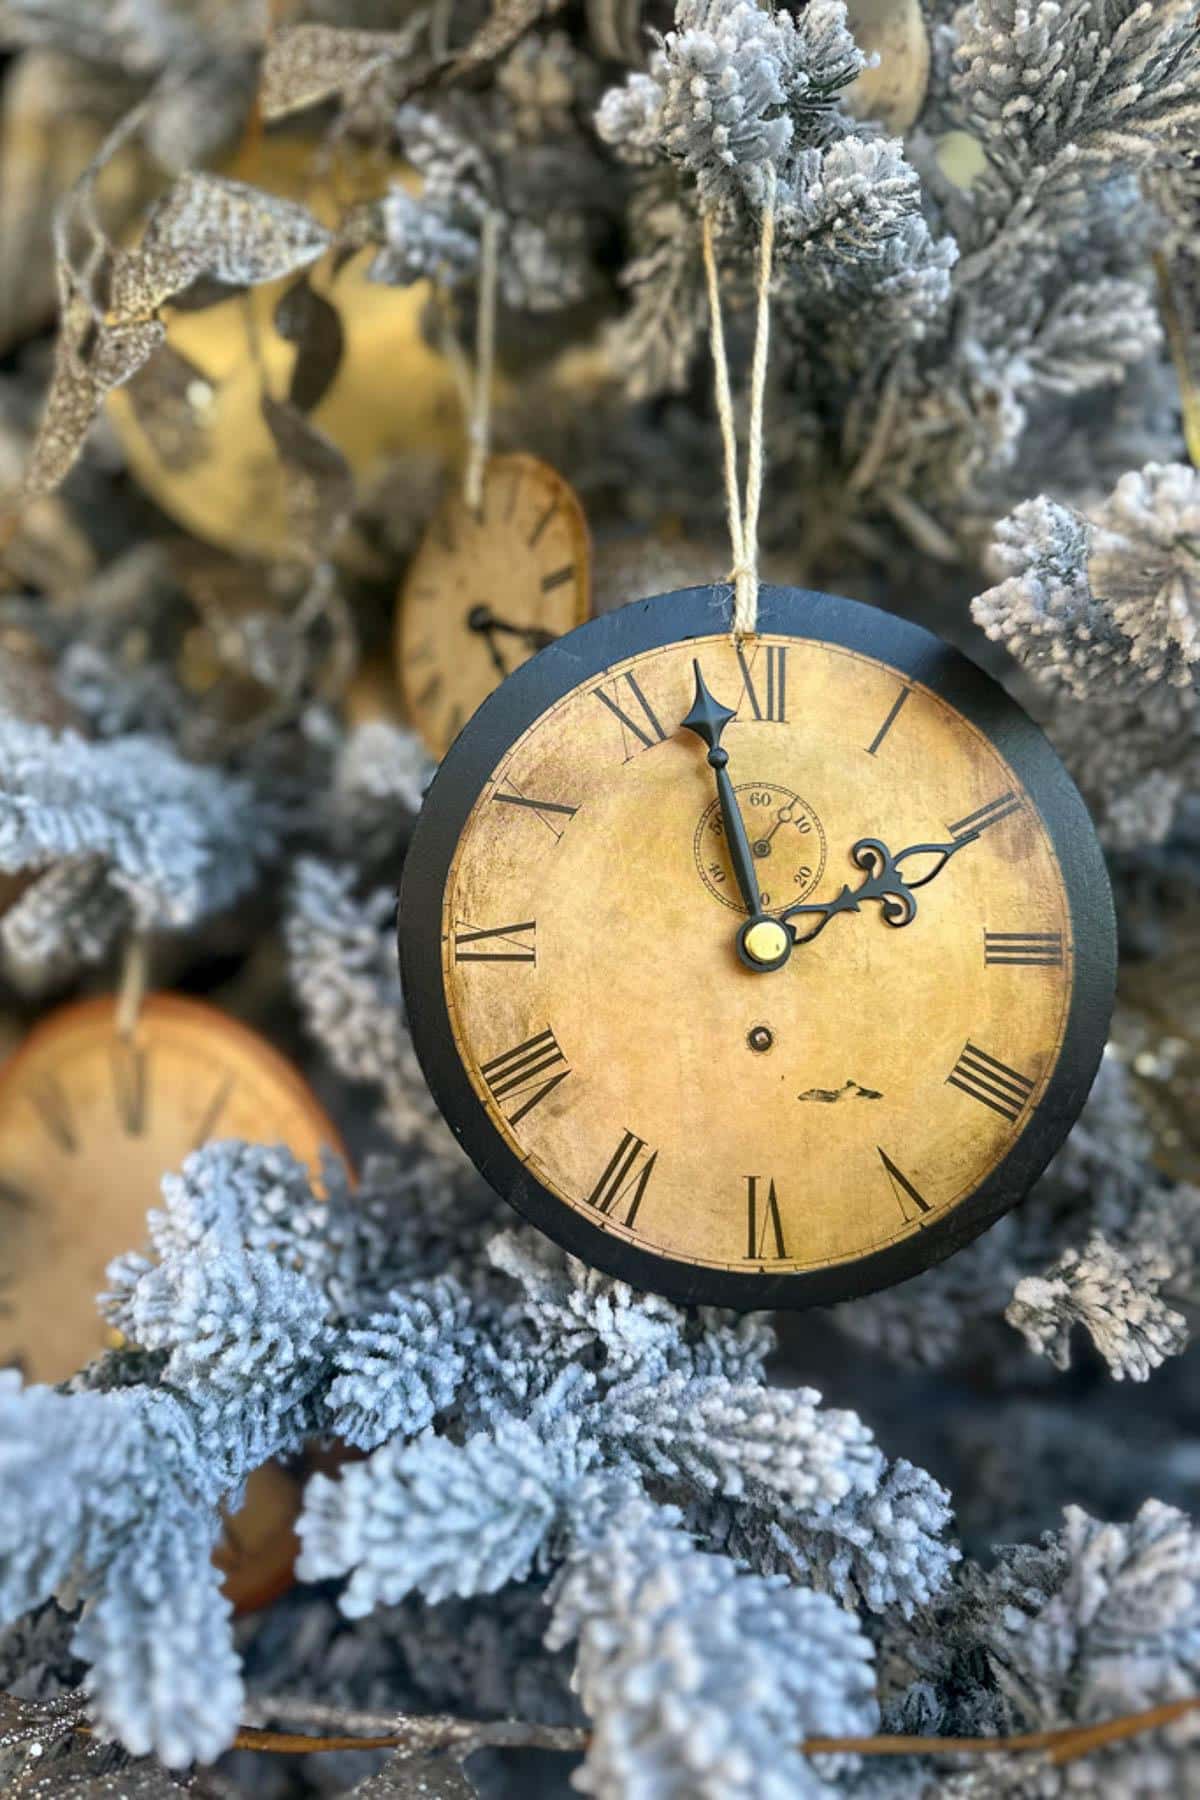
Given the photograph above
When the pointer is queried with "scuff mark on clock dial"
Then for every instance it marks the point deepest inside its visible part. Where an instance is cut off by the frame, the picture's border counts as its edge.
(849, 1090)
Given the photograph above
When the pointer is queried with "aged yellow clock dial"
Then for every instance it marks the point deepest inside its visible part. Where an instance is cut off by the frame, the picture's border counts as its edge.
(757, 963)
(89, 1124)
(488, 589)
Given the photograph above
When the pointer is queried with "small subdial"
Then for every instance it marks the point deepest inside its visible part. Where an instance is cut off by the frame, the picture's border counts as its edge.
(786, 838)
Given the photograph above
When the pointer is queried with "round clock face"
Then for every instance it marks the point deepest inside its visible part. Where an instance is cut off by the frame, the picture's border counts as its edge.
(757, 976)
(89, 1125)
(487, 590)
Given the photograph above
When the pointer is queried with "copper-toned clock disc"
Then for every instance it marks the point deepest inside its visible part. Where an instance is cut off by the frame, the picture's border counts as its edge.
(89, 1124)
(487, 589)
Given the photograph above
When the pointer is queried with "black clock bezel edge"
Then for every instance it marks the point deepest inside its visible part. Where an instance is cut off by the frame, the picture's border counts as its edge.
(913, 652)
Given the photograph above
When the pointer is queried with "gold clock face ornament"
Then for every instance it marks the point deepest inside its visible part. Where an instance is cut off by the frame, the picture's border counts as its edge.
(840, 1077)
(89, 1124)
(487, 590)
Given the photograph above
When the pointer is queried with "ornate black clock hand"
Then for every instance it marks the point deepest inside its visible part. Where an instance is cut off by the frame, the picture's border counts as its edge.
(708, 719)
(483, 619)
(884, 882)
(763, 944)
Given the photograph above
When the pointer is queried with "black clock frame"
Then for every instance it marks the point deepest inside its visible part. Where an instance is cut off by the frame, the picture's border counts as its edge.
(587, 653)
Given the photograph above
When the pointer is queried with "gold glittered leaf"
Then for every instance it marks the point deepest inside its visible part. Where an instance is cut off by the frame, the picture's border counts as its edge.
(77, 387)
(319, 491)
(211, 225)
(305, 64)
(507, 21)
(171, 398)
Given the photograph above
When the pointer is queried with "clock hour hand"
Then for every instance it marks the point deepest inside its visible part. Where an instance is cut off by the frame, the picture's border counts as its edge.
(884, 880)
(708, 719)
(483, 619)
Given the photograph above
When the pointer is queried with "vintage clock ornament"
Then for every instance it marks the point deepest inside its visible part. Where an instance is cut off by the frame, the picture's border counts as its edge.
(91, 1118)
(757, 973)
(490, 585)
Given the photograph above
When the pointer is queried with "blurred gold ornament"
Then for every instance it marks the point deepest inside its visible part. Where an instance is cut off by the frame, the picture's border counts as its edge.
(91, 1119)
(1179, 301)
(961, 158)
(191, 423)
(894, 90)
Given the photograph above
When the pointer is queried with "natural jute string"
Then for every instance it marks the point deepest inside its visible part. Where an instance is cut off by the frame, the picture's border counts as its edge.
(479, 424)
(743, 519)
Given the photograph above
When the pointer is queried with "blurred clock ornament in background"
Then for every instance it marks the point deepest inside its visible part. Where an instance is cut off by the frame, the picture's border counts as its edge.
(487, 590)
(91, 1119)
(893, 90)
(351, 354)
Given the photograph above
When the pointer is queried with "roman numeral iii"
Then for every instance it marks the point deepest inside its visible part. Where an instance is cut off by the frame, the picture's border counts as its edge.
(764, 682)
(498, 943)
(986, 1079)
(764, 1227)
(642, 724)
(624, 1181)
(1027, 949)
(518, 1073)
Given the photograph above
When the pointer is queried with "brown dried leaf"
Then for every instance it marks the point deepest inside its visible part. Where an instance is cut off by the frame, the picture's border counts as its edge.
(320, 487)
(210, 225)
(306, 319)
(507, 21)
(305, 64)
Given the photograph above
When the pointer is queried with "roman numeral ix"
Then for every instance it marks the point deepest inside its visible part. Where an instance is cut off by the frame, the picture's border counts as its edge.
(991, 1082)
(1026, 949)
(518, 1073)
(498, 943)
(625, 1179)
(768, 698)
(763, 1224)
(645, 728)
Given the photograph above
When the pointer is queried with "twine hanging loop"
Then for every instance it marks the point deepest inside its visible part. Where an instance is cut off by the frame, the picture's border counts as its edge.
(743, 517)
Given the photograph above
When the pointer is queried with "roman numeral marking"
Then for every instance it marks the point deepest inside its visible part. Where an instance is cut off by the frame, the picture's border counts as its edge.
(430, 691)
(542, 523)
(54, 1110)
(901, 697)
(906, 1194)
(518, 1073)
(557, 578)
(508, 943)
(213, 1111)
(769, 700)
(624, 1180)
(649, 732)
(1024, 949)
(762, 1221)
(991, 814)
(548, 811)
(130, 1071)
(991, 1082)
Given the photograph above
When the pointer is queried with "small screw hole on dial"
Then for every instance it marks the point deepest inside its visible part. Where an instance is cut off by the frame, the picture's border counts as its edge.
(760, 1038)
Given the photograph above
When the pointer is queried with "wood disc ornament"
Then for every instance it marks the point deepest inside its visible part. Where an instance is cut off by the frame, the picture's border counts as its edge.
(90, 1122)
(488, 587)
(830, 1084)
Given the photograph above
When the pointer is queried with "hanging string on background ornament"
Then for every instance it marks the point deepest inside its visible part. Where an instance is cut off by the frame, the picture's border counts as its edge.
(131, 991)
(743, 517)
(1182, 326)
(479, 423)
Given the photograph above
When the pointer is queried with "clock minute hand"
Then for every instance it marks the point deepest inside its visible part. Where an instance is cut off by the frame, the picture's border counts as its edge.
(883, 881)
(708, 719)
